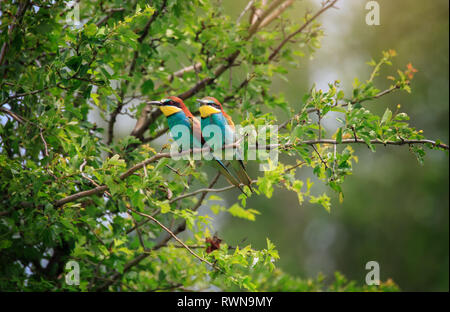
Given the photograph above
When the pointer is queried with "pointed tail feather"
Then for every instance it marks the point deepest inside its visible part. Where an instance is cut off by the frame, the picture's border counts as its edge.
(241, 172)
(228, 175)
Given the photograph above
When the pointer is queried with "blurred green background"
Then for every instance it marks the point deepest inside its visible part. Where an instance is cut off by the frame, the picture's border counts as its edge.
(395, 211)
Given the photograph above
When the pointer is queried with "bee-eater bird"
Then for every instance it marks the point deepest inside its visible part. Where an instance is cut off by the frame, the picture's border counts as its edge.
(178, 114)
(212, 113)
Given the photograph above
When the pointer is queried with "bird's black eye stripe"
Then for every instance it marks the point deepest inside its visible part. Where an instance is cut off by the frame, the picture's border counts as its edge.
(174, 103)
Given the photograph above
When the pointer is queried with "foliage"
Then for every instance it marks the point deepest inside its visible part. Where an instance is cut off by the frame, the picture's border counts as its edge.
(71, 190)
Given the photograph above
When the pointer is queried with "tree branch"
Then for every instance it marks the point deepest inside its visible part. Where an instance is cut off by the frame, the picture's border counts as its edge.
(145, 120)
(208, 190)
(109, 13)
(281, 45)
(12, 115)
(328, 4)
(157, 135)
(174, 236)
(116, 112)
(360, 141)
(260, 18)
(354, 101)
(129, 172)
(26, 94)
(276, 13)
(180, 228)
(23, 6)
(247, 7)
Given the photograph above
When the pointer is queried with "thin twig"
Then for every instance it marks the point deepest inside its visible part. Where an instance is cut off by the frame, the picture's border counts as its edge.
(129, 172)
(139, 224)
(334, 159)
(145, 120)
(325, 7)
(345, 104)
(109, 12)
(294, 167)
(281, 45)
(320, 157)
(176, 171)
(23, 120)
(174, 236)
(247, 7)
(16, 117)
(89, 179)
(163, 242)
(359, 141)
(118, 109)
(209, 190)
(276, 13)
(17, 95)
(260, 18)
(138, 231)
(45, 142)
(22, 7)
(319, 122)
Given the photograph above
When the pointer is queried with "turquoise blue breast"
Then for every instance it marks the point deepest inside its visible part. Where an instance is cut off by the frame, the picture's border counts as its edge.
(181, 130)
(219, 120)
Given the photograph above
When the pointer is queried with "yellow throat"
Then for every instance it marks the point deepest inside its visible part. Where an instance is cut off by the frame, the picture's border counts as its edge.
(206, 110)
(169, 110)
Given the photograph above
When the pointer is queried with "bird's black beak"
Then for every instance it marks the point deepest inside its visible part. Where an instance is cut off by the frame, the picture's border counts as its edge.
(156, 103)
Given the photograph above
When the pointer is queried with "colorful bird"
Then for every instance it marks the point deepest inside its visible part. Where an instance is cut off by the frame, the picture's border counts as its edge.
(212, 113)
(178, 114)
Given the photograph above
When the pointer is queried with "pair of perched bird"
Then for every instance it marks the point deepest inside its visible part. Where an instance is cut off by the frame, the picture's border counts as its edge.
(211, 113)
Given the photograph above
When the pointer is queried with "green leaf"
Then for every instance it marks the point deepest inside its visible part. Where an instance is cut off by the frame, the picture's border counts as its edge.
(74, 62)
(323, 200)
(94, 97)
(147, 86)
(90, 29)
(215, 197)
(4, 244)
(401, 117)
(386, 116)
(240, 212)
(116, 161)
(339, 136)
(165, 206)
